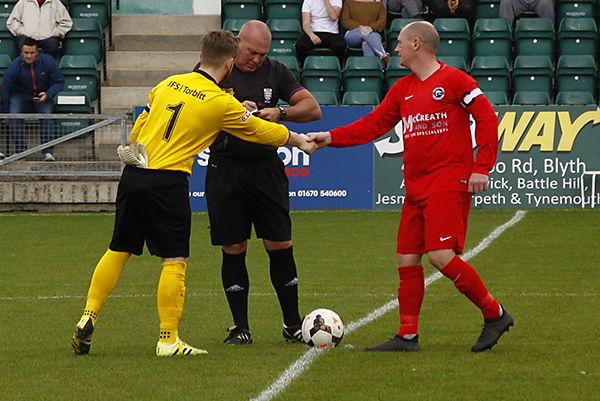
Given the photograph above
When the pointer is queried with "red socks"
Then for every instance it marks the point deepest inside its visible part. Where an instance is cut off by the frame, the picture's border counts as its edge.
(468, 282)
(410, 298)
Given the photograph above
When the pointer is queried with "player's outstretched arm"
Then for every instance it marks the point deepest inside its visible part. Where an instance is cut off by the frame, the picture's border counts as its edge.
(321, 139)
(301, 142)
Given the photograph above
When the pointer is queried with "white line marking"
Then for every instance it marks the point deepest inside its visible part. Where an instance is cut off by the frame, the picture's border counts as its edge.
(304, 362)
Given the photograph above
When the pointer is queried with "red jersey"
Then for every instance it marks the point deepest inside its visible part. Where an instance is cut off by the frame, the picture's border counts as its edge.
(438, 150)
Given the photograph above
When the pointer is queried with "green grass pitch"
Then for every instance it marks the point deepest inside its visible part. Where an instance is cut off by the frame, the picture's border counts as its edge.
(545, 270)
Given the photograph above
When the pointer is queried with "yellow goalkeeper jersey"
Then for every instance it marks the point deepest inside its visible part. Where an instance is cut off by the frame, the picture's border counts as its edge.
(184, 115)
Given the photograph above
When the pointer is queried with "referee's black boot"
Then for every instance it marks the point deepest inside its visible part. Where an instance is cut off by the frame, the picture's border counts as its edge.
(238, 336)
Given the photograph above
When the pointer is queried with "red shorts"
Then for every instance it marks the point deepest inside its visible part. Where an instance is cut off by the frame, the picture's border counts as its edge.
(436, 222)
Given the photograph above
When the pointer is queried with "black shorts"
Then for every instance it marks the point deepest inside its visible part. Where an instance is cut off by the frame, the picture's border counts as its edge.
(152, 206)
(239, 195)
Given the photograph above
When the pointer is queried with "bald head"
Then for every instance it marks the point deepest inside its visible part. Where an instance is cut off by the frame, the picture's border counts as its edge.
(255, 30)
(426, 33)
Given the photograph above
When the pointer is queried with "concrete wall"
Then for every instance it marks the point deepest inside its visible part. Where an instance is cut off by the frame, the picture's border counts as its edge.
(203, 7)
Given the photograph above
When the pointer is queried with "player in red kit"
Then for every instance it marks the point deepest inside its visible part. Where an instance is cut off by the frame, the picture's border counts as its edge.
(441, 174)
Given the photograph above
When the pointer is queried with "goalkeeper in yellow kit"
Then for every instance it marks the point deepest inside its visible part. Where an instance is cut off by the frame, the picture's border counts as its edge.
(184, 115)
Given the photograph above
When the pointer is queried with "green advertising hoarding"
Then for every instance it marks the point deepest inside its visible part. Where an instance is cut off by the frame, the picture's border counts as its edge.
(542, 153)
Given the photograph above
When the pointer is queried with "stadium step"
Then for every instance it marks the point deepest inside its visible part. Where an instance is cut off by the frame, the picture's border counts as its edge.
(120, 100)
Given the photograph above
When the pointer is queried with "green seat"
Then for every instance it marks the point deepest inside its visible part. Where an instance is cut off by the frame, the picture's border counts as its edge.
(454, 61)
(492, 37)
(394, 30)
(283, 47)
(6, 7)
(532, 73)
(85, 38)
(576, 73)
(394, 72)
(497, 98)
(531, 98)
(576, 9)
(285, 28)
(577, 36)
(8, 44)
(4, 63)
(574, 98)
(234, 24)
(491, 73)
(325, 98)
(242, 9)
(283, 9)
(72, 102)
(81, 74)
(455, 37)
(290, 62)
(363, 74)
(95, 9)
(534, 36)
(487, 8)
(360, 98)
(322, 73)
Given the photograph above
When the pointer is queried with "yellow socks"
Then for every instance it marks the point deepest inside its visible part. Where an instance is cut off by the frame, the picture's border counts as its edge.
(104, 279)
(170, 297)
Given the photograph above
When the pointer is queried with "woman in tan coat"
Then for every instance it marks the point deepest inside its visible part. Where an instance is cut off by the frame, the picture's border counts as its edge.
(363, 20)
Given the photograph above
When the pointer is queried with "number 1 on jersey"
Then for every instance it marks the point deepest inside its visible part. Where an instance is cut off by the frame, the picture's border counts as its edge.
(176, 109)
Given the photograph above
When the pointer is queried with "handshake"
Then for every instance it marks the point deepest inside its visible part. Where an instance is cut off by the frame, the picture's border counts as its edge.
(309, 143)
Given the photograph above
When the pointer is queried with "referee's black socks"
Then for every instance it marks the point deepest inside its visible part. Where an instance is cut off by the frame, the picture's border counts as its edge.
(236, 284)
(285, 281)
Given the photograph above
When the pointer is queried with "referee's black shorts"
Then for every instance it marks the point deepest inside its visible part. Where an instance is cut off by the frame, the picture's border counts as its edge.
(241, 194)
(152, 206)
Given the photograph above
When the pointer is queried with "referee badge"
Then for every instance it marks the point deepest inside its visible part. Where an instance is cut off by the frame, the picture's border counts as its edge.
(268, 92)
(438, 93)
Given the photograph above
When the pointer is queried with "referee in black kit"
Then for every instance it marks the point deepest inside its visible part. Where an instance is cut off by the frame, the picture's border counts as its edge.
(246, 183)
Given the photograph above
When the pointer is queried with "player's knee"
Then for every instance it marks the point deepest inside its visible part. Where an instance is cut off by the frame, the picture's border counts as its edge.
(276, 245)
(235, 249)
(440, 257)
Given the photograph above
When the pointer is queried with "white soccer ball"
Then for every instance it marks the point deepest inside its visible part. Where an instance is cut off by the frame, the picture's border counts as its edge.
(322, 328)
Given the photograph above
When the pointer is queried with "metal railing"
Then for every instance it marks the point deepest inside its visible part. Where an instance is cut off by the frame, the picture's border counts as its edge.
(84, 145)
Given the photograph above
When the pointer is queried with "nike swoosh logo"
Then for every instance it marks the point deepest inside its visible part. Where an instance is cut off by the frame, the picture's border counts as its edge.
(445, 238)
(408, 97)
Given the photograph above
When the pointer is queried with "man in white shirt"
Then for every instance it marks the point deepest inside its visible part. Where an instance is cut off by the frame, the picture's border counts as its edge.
(320, 28)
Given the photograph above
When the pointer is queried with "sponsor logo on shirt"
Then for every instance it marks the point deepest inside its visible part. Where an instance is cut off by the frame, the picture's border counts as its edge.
(268, 92)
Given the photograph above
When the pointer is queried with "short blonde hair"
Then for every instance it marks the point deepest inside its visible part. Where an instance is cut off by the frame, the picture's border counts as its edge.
(217, 47)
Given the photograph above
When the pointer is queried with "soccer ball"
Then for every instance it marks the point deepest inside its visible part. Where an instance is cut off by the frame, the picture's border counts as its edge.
(322, 328)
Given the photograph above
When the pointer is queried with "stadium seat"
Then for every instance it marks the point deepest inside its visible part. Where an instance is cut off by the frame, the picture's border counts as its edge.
(576, 73)
(455, 37)
(531, 98)
(85, 38)
(491, 73)
(242, 9)
(487, 8)
(4, 63)
(574, 98)
(234, 24)
(322, 73)
(285, 28)
(6, 7)
(577, 36)
(576, 9)
(532, 73)
(394, 72)
(492, 37)
(290, 62)
(81, 74)
(325, 98)
(534, 37)
(454, 61)
(363, 74)
(8, 44)
(394, 30)
(72, 102)
(497, 98)
(360, 98)
(96, 9)
(283, 9)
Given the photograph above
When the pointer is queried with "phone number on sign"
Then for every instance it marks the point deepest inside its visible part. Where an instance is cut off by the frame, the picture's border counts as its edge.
(323, 193)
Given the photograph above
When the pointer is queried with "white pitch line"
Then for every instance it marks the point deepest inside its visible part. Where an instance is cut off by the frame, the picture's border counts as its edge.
(304, 362)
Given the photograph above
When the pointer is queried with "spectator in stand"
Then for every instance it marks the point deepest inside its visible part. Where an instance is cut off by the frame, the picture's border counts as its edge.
(406, 8)
(453, 8)
(46, 21)
(321, 29)
(31, 82)
(510, 9)
(363, 20)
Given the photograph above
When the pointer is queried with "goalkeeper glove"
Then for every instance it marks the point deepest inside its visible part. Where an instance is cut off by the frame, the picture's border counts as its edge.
(134, 155)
